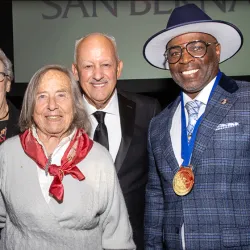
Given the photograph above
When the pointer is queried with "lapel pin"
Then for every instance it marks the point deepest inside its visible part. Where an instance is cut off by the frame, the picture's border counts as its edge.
(223, 101)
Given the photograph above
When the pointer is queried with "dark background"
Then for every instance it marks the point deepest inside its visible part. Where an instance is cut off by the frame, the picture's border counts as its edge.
(165, 90)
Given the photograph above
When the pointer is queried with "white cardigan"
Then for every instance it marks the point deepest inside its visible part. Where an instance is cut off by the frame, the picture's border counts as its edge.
(92, 216)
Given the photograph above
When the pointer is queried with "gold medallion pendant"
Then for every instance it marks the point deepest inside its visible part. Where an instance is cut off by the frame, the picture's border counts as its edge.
(183, 181)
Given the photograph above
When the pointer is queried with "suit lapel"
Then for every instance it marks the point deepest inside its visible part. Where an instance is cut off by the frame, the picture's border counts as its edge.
(127, 118)
(217, 108)
(165, 127)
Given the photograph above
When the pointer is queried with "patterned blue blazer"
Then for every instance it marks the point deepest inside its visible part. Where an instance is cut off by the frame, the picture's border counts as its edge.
(216, 213)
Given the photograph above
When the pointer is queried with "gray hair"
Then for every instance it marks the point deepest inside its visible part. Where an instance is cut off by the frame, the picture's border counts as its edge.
(7, 65)
(80, 119)
(110, 38)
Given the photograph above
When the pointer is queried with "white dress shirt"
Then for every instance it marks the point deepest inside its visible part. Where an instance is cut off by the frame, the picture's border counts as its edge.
(112, 122)
(46, 180)
(175, 131)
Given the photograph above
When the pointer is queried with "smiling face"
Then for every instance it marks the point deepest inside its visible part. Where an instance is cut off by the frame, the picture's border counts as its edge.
(97, 69)
(53, 112)
(193, 74)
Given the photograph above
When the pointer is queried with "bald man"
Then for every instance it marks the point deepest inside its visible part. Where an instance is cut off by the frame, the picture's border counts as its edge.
(126, 117)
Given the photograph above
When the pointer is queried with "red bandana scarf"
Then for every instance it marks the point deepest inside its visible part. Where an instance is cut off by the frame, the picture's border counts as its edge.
(76, 152)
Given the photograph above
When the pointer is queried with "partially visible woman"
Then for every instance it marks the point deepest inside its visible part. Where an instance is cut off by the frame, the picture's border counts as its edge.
(9, 114)
(59, 189)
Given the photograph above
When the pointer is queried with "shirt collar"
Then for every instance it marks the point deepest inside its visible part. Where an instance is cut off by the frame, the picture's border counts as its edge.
(202, 96)
(61, 143)
(111, 108)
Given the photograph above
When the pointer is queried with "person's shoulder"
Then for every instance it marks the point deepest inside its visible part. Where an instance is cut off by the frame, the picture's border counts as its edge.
(143, 103)
(100, 154)
(11, 141)
(138, 97)
(243, 91)
(100, 161)
(232, 85)
(165, 114)
(9, 145)
(243, 84)
(243, 88)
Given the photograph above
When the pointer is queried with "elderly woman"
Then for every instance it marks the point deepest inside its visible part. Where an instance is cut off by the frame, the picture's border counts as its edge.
(59, 189)
(8, 113)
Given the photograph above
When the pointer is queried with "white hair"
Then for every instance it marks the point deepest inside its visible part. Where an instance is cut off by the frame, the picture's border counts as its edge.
(7, 65)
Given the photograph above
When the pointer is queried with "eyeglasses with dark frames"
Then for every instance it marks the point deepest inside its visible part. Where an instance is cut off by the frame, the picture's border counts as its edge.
(2, 76)
(196, 49)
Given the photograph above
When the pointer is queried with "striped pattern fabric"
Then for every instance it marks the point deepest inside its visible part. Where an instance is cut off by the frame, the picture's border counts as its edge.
(216, 213)
(192, 108)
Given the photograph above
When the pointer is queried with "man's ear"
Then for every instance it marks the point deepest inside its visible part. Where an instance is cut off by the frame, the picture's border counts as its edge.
(119, 68)
(218, 51)
(75, 71)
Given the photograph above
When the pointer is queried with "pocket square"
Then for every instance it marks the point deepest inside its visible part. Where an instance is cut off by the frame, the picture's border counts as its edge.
(227, 125)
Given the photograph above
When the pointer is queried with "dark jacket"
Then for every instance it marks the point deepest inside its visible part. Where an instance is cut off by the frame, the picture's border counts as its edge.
(12, 126)
(131, 162)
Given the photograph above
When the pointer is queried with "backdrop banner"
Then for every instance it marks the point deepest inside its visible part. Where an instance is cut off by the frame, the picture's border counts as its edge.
(45, 32)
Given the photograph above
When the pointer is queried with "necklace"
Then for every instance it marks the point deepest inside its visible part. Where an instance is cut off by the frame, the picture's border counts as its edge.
(5, 115)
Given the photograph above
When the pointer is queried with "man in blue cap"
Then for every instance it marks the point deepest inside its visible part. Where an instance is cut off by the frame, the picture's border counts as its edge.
(198, 191)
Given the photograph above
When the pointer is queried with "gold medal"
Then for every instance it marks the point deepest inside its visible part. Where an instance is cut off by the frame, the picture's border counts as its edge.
(183, 181)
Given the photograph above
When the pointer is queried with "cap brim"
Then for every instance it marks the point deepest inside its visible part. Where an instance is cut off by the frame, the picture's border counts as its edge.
(228, 35)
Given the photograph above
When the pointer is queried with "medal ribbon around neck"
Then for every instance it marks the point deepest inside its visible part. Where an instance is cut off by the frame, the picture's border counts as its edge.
(184, 178)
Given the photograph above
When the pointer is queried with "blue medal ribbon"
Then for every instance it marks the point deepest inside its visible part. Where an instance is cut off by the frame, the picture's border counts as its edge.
(187, 148)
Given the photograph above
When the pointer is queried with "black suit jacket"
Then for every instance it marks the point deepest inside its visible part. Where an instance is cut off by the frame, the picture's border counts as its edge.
(131, 161)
